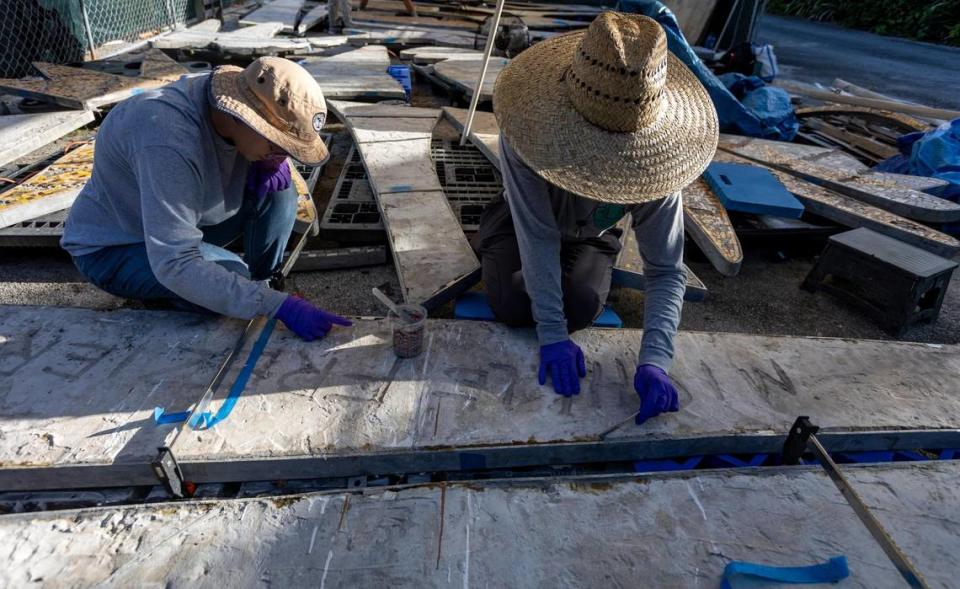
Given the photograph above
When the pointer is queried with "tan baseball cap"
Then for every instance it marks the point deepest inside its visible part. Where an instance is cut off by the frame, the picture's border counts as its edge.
(278, 99)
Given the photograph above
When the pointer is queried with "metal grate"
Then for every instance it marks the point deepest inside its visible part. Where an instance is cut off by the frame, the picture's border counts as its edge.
(469, 182)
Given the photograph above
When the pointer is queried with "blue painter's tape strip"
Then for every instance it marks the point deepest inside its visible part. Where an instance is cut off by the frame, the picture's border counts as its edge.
(469, 461)
(831, 571)
(206, 420)
(401, 188)
(161, 417)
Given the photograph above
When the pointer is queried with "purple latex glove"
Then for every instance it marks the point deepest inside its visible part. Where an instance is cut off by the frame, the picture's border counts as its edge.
(565, 363)
(307, 321)
(269, 175)
(657, 393)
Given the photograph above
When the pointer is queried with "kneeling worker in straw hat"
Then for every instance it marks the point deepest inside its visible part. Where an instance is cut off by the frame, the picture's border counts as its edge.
(595, 125)
(182, 171)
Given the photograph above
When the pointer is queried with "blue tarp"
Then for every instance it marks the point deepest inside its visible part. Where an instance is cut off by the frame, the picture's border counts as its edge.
(735, 117)
(935, 154)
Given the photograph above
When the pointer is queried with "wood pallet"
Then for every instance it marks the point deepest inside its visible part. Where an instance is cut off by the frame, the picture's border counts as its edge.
(433, 259)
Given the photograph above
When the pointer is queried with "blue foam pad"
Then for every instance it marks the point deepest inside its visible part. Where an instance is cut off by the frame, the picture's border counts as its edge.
(750, 189)
(473, 306)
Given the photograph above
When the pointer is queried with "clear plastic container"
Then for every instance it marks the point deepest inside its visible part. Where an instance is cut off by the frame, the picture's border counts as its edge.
(409, 332)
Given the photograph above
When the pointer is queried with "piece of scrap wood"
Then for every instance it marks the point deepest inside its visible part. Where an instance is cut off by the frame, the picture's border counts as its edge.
(433, 54)
(23, 134)
(284, 12)
(851, 212)
(50, 190)
(464, 74)
(882, 192)
(87, 89)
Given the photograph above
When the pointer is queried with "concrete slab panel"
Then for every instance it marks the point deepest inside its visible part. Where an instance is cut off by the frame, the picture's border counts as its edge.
(676, 530)
(78, 387)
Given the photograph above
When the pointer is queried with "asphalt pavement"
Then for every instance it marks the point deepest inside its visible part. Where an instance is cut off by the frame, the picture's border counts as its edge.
(819, 52)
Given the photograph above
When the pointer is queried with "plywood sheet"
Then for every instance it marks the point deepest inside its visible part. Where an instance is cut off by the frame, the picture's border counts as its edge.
(693, 16)
(680, 530)
(464, 74)
(248, 41)
(86, 89)
(853, 213)
(433, 54)
(706, 221)
(285, 12)
(359, 73)
(52, 189)
(23, 134)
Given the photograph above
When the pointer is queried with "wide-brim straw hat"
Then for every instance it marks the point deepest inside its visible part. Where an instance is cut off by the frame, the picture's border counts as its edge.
(279, 100)
(608, 113)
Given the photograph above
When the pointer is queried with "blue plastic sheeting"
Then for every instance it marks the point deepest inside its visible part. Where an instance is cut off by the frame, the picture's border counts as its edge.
(934, 154)
(734, 117)
(833, 570)
(770, 105)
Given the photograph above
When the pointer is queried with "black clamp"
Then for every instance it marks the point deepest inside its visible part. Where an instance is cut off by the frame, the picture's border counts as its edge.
(168, 471)
(796, 443)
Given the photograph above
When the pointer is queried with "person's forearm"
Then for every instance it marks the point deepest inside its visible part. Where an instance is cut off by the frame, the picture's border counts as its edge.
(213, 287)
(663, 302)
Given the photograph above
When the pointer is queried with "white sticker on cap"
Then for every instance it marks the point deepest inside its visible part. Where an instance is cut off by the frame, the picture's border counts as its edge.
(318, 120)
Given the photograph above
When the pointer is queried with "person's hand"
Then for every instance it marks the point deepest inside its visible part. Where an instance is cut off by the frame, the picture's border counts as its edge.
(565, 363)
(269, 175)
(307, 321)
(657, 393)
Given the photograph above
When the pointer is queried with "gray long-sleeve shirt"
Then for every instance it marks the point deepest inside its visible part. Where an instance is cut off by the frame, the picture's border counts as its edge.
(544, 215)
(161, 173)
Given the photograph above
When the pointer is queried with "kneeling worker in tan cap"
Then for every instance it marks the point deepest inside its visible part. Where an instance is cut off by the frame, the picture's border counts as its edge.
(181, 172)
(595, 125)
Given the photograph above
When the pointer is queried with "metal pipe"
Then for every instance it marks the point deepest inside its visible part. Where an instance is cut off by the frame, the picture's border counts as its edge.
(86, 28)
(475, 99)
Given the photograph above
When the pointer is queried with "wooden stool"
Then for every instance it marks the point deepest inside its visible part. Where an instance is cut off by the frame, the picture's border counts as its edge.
(899, 284)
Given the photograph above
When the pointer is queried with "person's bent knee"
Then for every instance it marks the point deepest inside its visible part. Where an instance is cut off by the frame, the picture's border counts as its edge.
(512, 309)
(581, 305)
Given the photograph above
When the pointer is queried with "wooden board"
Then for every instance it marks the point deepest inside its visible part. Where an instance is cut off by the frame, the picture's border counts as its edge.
(434, 54)
(358, 73)
(314, 16)
(248, 41)
(87, 89)
(707, 223)
(432, 255)
(693, 16)
(882, 192)
(369, 32)
(52, 189)
(464, 74)
(904, 122)
(23, 134)
(679, 529)
(850, 212)
(285, 12)
(79, 388)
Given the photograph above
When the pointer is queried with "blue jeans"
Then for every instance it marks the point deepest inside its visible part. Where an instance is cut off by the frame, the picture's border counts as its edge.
(124, 270)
